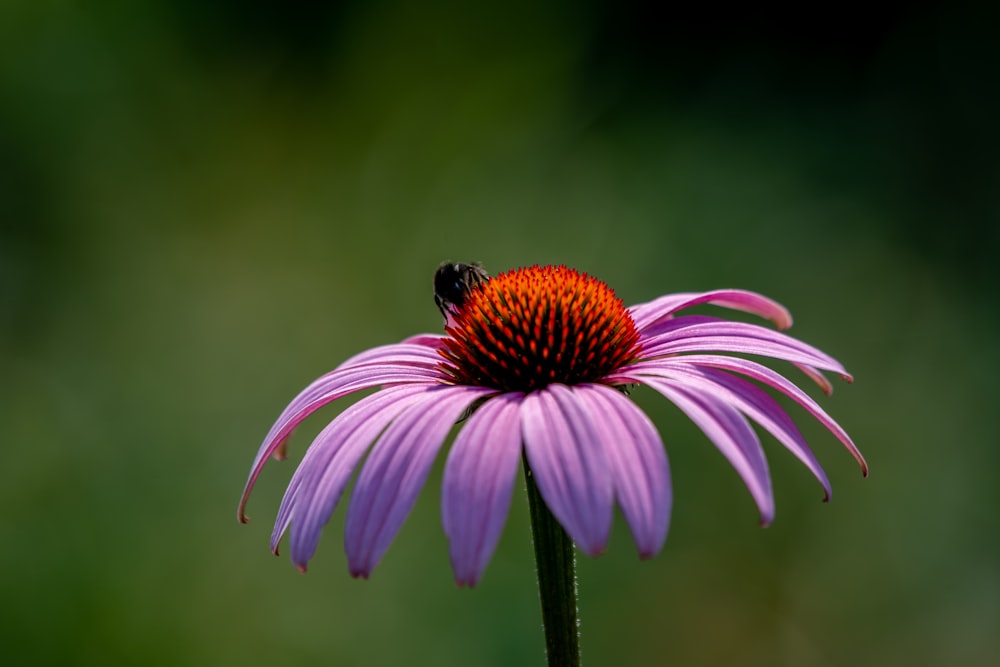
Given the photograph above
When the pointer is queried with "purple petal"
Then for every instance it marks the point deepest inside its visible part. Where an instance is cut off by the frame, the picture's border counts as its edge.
(674, 325)
(773, 379)
(478, 483)
(638, 464)
(737, 337)
(568, 464)
(648, 314)
(418, 350)
(433, 341)
(317, 484)
(752, 401)
(324, 390)
(817, 376)
(396, 470)
(729, 432)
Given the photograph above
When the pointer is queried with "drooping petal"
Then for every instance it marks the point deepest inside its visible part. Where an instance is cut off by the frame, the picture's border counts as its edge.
(317, 484)
(396, 470)
(729, 432)
(749, 399)
(647, 314)
(568, 463)
(478, 483)
(761, 373)
(741, 338)
(638, 464)
(322, 391)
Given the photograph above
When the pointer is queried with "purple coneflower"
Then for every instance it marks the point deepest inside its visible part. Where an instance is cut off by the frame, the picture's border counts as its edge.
(537, 359)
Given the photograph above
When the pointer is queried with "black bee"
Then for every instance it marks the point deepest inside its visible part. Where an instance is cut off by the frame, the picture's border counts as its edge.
(453, 282)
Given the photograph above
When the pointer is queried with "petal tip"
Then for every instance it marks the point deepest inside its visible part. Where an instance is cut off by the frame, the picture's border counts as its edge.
(241, 509)
(862, 463)
(280, 452)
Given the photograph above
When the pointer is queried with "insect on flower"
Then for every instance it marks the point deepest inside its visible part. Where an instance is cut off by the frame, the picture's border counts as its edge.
(542, 352)
(452, 284)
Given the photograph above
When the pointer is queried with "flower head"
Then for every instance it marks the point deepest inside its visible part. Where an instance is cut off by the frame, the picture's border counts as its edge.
(541, 354)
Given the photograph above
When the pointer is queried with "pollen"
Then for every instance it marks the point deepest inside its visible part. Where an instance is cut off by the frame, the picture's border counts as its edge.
(531, 327)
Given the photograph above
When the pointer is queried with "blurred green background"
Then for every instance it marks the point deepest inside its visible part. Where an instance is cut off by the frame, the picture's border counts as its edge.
(206, 205)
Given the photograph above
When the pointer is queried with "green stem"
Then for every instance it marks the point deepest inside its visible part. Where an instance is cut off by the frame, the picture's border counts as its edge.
(556, 565)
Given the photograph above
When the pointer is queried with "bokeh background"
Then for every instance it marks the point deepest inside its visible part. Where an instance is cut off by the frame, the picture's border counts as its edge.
(203, 206)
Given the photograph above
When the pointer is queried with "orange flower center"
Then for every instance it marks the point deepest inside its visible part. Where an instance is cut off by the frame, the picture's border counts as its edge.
(527, 328)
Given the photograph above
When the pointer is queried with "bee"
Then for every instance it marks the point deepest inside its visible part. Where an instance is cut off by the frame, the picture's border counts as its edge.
(453, 282)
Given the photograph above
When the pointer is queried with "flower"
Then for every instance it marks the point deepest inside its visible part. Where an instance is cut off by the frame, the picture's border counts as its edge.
(541, 359)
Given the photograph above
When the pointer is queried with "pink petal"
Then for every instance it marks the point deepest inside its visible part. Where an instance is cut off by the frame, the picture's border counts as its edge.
(773, 379)
(684, 326)
(432, 341)
(777, 346)
(638, 464)
(568, 464)
(315, 489)
(749, 399)
(647, 314)
(817, 376)
(729, 432)
(396, 470)
(673, 324)
(417, 350)
(322, 391)
(478, 483)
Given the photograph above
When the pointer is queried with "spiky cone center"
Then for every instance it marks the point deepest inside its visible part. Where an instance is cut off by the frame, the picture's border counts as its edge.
(527, 328)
